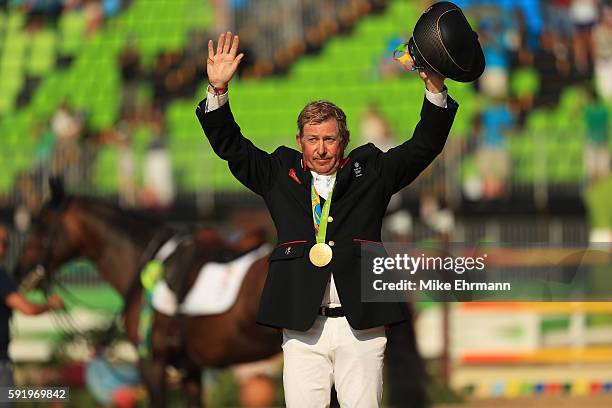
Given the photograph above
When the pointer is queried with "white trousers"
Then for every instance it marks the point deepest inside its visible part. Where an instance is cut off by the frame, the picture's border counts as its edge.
(333, 353)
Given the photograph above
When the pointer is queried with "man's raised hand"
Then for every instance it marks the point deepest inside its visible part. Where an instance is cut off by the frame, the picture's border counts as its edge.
(221, 66)
(434, 82)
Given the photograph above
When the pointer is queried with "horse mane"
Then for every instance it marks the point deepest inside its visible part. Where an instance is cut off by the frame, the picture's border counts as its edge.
(138, 224)
(113, 210)
(60, 200)
(133, 220)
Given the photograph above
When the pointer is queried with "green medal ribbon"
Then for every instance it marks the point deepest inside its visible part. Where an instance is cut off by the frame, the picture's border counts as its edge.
(321, 253)
(324, 215)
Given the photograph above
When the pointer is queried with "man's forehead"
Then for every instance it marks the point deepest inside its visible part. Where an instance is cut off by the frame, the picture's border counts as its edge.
(329, 127)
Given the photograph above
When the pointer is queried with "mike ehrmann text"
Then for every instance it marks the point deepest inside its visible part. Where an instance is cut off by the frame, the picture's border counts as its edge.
(438, 285)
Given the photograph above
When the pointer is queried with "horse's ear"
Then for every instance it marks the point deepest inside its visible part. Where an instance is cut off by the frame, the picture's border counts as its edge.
(58, 193)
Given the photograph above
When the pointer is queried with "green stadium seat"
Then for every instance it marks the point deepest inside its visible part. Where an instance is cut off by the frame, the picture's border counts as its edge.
(468, 168)
(11, 61)
(524, 82)
(539, 121)
(72, 25)
(524, 173)
(14, 20)
(106, 170)
(42, 53)
(3, 23)
(572, 99)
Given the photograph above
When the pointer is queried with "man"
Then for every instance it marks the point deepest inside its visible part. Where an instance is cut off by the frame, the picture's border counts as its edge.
(324, 206)
(11, 300)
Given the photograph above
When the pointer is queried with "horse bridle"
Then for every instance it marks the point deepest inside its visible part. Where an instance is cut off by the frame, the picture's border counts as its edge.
(40, 273)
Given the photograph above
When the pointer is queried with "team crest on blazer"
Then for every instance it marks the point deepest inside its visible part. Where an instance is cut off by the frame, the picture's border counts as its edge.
(357, 170)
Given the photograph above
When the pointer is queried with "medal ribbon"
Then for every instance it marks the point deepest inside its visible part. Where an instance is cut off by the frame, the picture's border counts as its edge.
(320, 216)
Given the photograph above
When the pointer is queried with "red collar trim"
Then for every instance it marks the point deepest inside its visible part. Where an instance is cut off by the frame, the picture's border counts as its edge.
(343, 162)
(293, 176)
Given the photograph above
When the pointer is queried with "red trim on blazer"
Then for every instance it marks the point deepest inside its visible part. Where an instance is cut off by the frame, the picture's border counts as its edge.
(293, 176)
(343, 162)
(291, 242)
(366, 240)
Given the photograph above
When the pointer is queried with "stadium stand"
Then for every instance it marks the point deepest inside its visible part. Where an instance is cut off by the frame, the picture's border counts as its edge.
(45, 65)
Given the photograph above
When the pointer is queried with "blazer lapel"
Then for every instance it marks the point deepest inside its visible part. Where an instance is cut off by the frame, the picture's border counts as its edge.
(301, 179)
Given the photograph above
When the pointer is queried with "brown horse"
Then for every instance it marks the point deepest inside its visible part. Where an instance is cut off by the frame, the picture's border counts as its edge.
(119, 244)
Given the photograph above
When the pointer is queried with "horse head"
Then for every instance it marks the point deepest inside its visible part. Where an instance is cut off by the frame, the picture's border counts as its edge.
(50, 243)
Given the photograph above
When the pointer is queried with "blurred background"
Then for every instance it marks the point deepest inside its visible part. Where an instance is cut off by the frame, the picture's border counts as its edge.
(103, 93)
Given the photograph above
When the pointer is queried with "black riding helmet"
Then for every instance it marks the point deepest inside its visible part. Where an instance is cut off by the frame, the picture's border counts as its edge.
(444, 42)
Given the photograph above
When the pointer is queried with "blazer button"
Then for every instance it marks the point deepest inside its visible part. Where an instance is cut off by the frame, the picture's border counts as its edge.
(331, 243)
(330, 219)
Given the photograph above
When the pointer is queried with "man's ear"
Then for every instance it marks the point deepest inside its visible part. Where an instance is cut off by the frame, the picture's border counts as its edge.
(298, 140)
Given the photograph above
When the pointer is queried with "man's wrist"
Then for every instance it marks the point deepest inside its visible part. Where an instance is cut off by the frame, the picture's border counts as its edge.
(217, 89)
(434, 88)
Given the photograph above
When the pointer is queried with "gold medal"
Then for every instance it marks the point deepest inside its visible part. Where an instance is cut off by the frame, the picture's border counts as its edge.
(320, 254)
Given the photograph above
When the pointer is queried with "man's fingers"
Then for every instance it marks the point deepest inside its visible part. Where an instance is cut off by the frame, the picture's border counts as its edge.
(220, 43)
(234, 49)
(228, 41)
(211, 52)
(237, 60)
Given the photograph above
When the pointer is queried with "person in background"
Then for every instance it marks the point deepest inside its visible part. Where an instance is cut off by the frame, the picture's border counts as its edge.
(584, 14)
(602, 43)
(375, 128)
(11, 300)
(492, 157)
(596, 153)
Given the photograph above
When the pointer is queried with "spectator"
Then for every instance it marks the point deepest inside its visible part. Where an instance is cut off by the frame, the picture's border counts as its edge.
(559, 23)
(375, 129)
(596, 154)
(68, 128)
(110, 382)
(552, 72)
(492, 157)
(111, 7)
(126, 164)
(66, 125)
(494, 80)
(13, 300)
(94, 13)
(158, 183)
(602, 43)
(584, 16)
(524, 86)
(131, 75)
(557, 43)
(436, 215)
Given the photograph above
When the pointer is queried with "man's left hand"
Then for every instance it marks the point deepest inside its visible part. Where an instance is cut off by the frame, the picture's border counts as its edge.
(434, 82)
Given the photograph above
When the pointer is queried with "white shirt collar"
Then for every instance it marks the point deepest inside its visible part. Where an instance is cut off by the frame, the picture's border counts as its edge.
(323, 183)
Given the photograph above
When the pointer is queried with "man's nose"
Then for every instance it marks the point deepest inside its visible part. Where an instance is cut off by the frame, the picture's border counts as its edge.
(321, 150)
